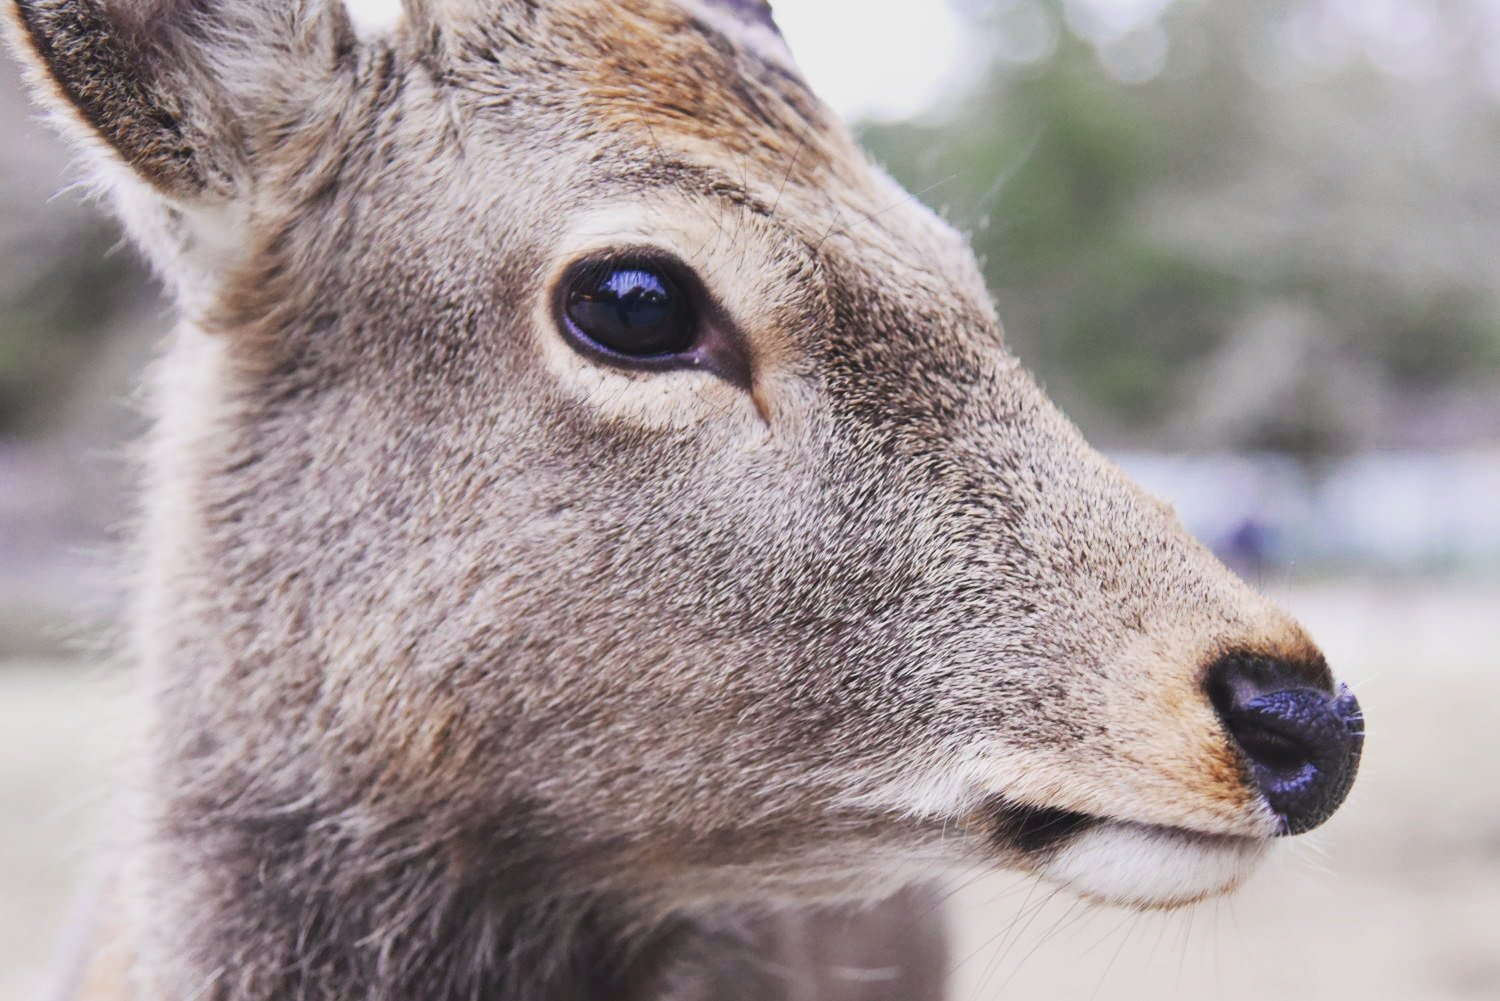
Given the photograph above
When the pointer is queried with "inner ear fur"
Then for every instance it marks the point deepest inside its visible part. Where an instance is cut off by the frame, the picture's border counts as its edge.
(171, 87)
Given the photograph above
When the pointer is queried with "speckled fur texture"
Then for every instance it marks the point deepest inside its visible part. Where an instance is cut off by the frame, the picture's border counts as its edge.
(479, 669)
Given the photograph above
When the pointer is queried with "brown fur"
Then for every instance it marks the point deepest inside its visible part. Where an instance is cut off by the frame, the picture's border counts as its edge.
(482, 670)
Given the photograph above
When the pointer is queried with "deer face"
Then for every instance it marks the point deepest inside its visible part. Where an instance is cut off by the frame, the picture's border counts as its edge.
(575, 443)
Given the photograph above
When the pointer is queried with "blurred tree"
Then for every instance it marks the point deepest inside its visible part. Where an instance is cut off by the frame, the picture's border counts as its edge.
(1149, 183)
(58, 313)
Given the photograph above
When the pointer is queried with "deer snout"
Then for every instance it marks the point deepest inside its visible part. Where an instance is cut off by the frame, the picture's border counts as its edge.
(1300, 742)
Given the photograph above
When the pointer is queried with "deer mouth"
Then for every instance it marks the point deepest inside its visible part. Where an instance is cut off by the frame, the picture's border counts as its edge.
(1147, 866)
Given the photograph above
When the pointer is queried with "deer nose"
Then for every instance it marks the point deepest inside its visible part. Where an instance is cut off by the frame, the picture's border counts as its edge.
(1301, 743)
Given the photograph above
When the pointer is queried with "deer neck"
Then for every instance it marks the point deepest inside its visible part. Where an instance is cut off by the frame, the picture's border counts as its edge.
(297, 908)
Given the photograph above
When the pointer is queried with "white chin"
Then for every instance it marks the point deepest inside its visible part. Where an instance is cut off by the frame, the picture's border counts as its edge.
(1139, 865)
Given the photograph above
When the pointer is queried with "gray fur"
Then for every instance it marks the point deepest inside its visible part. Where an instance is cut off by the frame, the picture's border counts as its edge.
(479, 672)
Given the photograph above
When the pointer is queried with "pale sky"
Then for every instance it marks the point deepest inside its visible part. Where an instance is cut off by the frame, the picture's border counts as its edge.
(877, 58)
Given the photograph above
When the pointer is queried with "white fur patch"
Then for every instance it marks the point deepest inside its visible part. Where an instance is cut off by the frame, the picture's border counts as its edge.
(1143, 866)
(373, 18)
(213, 242)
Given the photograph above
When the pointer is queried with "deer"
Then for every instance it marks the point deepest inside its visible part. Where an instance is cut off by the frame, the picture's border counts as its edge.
(595, 541)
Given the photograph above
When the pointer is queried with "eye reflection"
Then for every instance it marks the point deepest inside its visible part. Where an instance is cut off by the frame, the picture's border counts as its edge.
(631, 310)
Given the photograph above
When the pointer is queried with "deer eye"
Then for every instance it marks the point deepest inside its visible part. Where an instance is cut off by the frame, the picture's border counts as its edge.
(630, 310)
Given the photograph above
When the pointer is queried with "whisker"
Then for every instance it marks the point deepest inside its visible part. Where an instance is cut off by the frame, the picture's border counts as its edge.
(1113, 958)
(1076, 910)
(801, 144)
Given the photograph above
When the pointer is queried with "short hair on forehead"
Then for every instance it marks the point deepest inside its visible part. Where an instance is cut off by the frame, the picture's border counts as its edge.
(669, 172)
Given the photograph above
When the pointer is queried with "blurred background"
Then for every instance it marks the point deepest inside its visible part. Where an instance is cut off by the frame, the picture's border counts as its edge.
(1253, 248)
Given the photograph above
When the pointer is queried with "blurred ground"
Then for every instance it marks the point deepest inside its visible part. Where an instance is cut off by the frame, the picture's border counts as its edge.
(1397, 898)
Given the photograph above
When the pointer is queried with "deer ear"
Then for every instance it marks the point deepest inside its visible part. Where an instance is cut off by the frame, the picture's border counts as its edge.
(750, 12)
(172, 88)
(750, 24)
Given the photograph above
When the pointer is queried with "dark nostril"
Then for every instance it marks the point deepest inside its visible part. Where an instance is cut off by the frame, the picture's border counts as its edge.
(1276, 751)
(1301, 744)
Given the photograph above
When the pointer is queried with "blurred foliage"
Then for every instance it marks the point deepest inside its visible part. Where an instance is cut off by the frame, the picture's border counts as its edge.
(1061, 155)
(56, 320)
(1437, 339)
(1142, 193)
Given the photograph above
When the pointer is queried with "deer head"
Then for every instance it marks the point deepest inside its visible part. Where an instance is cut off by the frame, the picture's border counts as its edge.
(578, 462)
